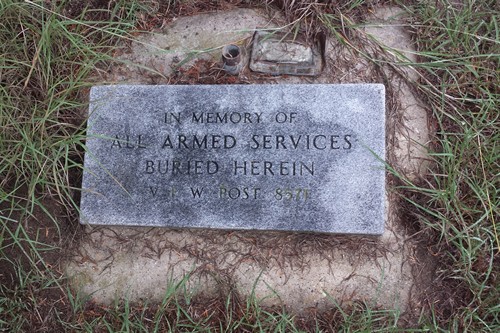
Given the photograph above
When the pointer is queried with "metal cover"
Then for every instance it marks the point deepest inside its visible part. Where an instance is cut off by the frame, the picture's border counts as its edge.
(278, 53)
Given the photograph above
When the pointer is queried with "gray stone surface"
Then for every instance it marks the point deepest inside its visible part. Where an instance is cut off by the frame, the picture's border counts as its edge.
(182, 42)
(330, 133)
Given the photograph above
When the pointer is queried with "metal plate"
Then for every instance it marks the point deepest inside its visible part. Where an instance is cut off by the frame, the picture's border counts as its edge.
(278, 53)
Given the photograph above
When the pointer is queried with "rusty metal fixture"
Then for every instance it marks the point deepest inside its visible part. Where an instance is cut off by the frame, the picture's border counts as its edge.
(231, 58)
(280, 53)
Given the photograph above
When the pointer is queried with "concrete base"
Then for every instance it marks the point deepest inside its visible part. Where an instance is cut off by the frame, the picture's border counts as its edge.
(296, 270)
(411, 131)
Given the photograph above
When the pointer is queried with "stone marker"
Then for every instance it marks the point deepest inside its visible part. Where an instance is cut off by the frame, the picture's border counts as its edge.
(266, 157)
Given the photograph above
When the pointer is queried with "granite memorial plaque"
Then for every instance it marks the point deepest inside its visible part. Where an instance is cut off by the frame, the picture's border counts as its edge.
(265, 157)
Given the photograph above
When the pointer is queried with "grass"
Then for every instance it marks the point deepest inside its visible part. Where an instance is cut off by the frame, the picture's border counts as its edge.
(460, 48)
(49, 50)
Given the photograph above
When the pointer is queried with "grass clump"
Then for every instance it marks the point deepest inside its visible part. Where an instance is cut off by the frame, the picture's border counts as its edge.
(459, 49)
(45, 59)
